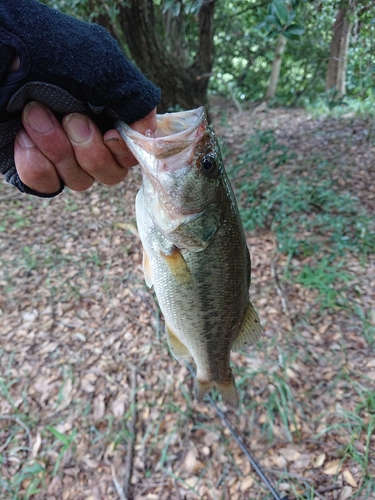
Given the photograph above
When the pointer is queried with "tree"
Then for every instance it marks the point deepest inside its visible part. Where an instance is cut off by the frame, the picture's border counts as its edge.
(280, 22)
(337, 63)
(171, 41)
(157, 42)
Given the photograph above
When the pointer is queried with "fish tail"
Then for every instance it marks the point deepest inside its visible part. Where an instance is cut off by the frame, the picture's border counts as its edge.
(201, 389)
(227, 390)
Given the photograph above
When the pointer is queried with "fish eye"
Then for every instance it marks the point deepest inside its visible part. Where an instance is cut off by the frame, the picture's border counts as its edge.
(209, 166)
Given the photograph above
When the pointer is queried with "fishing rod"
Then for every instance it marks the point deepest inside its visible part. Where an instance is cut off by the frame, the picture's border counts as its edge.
(240, 443)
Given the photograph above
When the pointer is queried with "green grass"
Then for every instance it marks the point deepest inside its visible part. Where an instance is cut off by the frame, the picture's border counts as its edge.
(332, 106)
(358, 429)
(328, 279)
(306, 212)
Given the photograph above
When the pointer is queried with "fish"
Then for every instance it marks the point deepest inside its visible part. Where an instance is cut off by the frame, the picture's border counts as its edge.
(195, 254)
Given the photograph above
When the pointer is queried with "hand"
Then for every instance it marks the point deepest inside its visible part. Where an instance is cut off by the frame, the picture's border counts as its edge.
(75, 152)
(63, 63)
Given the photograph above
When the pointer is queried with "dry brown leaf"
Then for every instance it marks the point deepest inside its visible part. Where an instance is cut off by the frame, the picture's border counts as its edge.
(54, 487)
(290, 454)
(346, 493)
(319, 461)
(99, 408)
(66, 395)
(36, 445)
(246, 483)
(333, 467)
(118, 407)
(349, 478)
(190, 461)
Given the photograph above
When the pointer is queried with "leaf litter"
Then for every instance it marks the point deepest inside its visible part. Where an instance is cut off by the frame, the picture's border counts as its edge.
(76, 318)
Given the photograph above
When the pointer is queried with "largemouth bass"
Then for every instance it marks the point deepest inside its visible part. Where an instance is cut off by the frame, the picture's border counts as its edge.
(195, 252)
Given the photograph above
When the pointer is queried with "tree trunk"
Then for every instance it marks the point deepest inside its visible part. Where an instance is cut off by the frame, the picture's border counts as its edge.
(276, 66)
(182, 83)
(336, 70)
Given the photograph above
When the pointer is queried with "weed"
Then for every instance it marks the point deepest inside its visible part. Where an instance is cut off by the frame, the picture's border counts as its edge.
(278, 405)
(306, 214)
(327, 278)
(336, 108)
(66, 442)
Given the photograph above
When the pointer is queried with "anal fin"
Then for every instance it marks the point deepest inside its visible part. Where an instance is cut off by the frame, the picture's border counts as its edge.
(250, 331)
(147, 269)
(177, 348)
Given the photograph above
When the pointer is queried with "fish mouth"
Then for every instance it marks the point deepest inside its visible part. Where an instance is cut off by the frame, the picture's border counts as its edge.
(175, 132)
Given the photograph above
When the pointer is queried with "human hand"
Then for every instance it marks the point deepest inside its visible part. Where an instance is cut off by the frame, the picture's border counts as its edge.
(77, 71)
(76, 152)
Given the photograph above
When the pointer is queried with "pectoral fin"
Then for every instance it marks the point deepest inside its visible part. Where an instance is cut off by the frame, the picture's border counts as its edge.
(250, 331)
(147, 269)
(177, 348)
(177, 266)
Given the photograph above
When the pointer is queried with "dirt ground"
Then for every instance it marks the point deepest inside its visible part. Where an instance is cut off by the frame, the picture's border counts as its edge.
(93, 406)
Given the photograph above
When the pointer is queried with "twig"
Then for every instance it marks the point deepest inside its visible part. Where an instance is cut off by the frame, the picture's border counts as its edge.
(326, 489)
(21, 424)
(132, 430)
(119, 490)
(234, 98)
(177, 490)
(280, 291)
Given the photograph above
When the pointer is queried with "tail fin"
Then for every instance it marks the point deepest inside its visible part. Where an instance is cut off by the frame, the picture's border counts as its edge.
(227, 390)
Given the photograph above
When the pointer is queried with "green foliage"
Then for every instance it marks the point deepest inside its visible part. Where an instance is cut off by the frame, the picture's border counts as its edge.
(279, 21)
(188, 6)
(245, 38)
(65, 441)
(328, 278)
(306, 214)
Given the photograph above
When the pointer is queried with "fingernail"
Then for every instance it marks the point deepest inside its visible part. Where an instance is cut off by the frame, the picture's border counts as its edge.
(117, 147)
(38, 117)
(77, 127)
(24, 140)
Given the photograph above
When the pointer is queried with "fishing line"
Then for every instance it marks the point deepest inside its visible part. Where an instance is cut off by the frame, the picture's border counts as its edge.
(240, 443)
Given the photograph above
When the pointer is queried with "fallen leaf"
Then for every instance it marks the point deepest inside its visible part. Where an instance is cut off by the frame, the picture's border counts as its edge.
(99, 408)
(289, 454)
(36, 445)
(118, 407)
(246, 483)
(346, 493)
(349, 478)
(333, 467)
(319, 461)
(190, 461)
(66, 395)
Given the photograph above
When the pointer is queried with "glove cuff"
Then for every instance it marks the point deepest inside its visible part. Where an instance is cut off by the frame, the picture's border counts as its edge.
(27, 190)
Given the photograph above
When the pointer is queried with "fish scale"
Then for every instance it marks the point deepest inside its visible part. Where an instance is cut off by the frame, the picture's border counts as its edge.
(195, 251)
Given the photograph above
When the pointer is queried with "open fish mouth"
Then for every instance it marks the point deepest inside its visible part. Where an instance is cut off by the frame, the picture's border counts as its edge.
(175, 132)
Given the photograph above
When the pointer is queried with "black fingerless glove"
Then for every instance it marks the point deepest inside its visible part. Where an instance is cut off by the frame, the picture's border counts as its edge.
(70, 66)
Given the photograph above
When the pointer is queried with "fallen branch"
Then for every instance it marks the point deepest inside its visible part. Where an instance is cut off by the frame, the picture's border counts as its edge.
(280, 291)
(132, 431)
(117, 485)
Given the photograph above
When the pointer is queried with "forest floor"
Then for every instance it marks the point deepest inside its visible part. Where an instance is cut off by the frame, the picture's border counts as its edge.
(85, 372)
